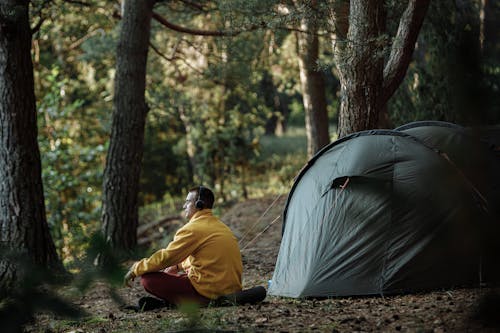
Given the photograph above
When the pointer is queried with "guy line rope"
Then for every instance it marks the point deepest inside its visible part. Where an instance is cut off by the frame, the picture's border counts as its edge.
(342, 188)
(257, 222)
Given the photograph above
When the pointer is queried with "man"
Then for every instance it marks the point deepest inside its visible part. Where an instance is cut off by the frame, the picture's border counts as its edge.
(202, 262)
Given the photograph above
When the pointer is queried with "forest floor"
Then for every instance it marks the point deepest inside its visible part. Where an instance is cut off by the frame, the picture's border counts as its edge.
(453, 310)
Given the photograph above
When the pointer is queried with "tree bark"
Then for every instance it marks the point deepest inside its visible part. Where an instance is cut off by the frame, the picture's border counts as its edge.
(312, 82)
(360, 44)
(124, 158)
(362, 68)
(23, 224)
(403, 46)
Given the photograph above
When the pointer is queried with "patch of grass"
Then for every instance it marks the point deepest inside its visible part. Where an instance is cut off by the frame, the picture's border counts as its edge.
(280, 159)
(293, 142)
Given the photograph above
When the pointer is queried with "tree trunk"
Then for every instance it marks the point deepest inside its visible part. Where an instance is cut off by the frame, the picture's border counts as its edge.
(124, 159)
(269, 92)
(312, 83)
(276, 124)
(191, 149)
(359, 46)
(468, 91)
(490, 28)
(362, 74)
(23, 224)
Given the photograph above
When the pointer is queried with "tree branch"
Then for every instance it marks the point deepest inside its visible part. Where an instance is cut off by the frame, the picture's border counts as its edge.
(155, 49)
(190, 31)
(41, 19)
(196, 70)
(403, 46)
(221, 33)
(37, 27)
(76, 2)
(193, 5)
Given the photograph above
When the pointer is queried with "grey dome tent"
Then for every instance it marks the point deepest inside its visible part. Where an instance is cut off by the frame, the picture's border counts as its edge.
(379, 212)
(475, 151)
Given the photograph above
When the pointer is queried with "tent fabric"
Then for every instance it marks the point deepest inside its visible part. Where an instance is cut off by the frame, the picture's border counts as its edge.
(461, 146)
(379, 212)
(490, 136)
(473, 150)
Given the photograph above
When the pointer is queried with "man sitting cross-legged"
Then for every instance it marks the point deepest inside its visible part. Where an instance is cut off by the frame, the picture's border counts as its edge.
(202, 262)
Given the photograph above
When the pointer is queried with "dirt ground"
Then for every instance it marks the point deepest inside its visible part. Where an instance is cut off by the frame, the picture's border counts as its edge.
(257, 223)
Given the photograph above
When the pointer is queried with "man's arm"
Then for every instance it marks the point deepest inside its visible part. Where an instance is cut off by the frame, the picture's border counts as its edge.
(183, 245)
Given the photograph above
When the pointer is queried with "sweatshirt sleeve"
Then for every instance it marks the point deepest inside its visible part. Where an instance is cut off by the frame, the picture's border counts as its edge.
(183, 244)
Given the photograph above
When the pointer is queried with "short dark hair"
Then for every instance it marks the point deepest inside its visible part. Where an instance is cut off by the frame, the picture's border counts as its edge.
(205, 195)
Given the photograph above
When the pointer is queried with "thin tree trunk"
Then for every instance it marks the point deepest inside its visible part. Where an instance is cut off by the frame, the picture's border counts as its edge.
(312, 83)
(269, 92)
(403, 46)
(124, 159)
(338, 19)
(23, 224)
(490, 28)
(190, 144)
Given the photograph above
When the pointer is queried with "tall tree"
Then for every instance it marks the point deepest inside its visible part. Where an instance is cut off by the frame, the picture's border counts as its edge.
(311, 79)
(123, 162)
(23, 225)
(367, 75)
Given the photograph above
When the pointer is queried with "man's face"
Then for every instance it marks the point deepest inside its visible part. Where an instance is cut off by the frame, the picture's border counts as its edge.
(189, 206)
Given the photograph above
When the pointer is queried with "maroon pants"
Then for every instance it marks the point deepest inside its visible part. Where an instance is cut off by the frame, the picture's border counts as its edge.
(173, 288)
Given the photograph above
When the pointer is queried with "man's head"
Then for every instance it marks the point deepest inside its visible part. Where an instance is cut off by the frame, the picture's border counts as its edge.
(198, 198)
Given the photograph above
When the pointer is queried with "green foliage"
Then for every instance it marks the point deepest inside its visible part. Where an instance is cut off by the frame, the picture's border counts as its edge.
(165, 167)
(226, 140)
(222, 110)
(222, 100)
(71, 170)
(73, 62)
(279, 161)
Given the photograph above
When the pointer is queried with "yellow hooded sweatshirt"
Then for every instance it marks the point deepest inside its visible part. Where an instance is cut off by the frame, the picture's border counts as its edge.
(208, 252)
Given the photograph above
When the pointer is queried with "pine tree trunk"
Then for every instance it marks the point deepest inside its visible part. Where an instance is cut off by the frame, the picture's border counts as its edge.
(360, 44)
(312, 84)
(124, 159)
(23, 224)
(362, 67)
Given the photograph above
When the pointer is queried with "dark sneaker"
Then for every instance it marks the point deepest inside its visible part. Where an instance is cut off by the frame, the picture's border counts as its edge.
(148, 303)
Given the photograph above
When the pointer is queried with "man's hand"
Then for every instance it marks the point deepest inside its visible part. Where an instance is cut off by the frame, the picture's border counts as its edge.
(175, 269)
(129, 277)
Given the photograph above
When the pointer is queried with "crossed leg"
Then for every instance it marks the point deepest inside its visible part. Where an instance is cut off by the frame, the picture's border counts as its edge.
(173, 288)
